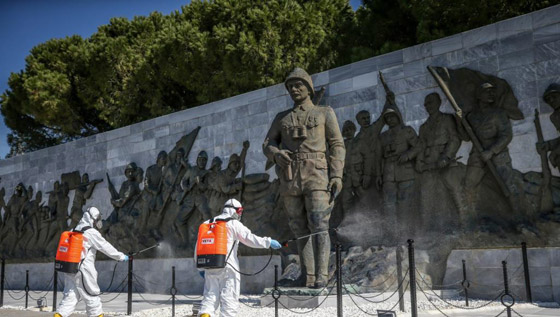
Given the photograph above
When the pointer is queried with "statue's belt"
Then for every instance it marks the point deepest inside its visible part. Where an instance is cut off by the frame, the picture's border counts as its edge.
(306, 156)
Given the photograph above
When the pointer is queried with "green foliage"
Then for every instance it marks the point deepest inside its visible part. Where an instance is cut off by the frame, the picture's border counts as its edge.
(443, 18)
(134, 70)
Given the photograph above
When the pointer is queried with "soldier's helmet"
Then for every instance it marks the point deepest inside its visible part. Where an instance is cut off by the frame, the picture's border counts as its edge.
(552, 88)
(390, 109)
(482, 87)
(299, 73)
(216, 162)
(203, 154)
(234, 158)
(131, 166)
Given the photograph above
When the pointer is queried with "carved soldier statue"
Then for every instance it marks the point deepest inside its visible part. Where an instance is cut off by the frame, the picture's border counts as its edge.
(492, 126)
(62, 203)
(153, 182)
(53, 195)
(30, 226)
(440, 142)
(193, 196)
(226, 184)
(399, 148)
(12, 218)
(82, 193)
(552, 98)
(364, 151)
(129, 190)
(124, 217)
(348, 195)
(309, 179)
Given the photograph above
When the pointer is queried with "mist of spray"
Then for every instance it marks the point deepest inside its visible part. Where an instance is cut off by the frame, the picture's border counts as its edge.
(363, 227)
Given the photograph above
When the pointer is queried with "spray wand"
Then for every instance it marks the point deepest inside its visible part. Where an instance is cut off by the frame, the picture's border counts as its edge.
(144, 250)
(285, 243)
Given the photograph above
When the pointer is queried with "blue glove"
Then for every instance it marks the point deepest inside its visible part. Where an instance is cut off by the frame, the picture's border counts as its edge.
(202, 273)
(125, 258)
(275, 244)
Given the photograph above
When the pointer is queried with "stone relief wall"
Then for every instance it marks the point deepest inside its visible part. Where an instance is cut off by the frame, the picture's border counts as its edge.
(152, 180)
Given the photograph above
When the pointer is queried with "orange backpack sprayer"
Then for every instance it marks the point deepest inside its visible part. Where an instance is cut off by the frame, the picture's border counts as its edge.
(69, 251)
(211, 246)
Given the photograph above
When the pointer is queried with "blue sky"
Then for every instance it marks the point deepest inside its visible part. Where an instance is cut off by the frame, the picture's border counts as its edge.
(26, 23)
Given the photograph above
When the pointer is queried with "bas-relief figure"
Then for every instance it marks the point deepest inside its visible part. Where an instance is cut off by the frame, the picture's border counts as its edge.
(399, 148)
(154, 181)
(552, 97)
(192, 198)
(309, 179)
(225, 183)
(350, 176)
(81, 194)
(437, 162)
(491, 124)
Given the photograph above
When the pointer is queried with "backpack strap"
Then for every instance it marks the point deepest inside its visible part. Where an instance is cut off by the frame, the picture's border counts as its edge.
(83, 229)
(225, 219)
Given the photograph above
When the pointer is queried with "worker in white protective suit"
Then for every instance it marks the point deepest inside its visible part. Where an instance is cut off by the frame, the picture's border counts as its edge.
(83, 285)
(221, 286)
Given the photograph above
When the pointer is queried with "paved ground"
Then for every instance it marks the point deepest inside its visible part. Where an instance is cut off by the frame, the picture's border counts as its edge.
(159, 305)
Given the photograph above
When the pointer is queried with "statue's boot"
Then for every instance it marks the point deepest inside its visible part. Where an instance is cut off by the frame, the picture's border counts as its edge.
(322, 248)
(307, 265)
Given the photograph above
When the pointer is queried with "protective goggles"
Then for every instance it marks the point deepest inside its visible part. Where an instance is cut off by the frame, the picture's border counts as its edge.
(238, 210)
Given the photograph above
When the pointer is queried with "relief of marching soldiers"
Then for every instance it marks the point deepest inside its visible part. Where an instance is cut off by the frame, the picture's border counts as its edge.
(414, 181)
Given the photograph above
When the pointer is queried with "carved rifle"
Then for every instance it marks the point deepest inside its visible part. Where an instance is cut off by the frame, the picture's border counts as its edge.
(474, 139)
(546, 203)
(319, 96)
(111, 187)
(243, 169)
(387, 90)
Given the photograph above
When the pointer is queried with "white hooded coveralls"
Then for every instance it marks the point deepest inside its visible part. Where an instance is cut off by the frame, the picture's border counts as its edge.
(221, 286)
(73, 287)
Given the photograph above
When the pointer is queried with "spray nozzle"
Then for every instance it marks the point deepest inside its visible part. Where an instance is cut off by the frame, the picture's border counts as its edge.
(144, 250)
(285, 243)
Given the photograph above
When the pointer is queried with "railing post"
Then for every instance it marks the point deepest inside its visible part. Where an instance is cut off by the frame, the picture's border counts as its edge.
(526, 271)
(465, 284)
(339, 280)
(277, 296)
(55, 289)
(2, 282)
(506, 290)
(26, 288)
(173, 291)
(129, 302)
(412, 277)
(400, 279)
